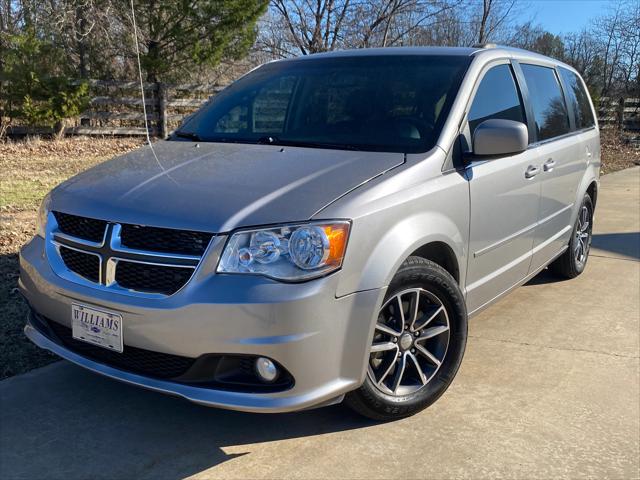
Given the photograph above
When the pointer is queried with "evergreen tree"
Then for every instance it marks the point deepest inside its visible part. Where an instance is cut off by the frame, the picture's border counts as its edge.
(175, 35)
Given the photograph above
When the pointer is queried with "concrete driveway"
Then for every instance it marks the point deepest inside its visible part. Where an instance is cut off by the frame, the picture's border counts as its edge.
(549, 388)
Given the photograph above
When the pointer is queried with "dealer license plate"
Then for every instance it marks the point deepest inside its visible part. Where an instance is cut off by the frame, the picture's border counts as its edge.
(96, 326)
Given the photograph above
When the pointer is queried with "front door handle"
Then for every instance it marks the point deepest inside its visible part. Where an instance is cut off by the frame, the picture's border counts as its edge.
(549, 164)
(532, 171)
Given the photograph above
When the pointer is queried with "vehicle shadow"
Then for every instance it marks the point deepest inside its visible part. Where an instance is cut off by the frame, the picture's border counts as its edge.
(64, 422)
(544, 277)
(625, 243)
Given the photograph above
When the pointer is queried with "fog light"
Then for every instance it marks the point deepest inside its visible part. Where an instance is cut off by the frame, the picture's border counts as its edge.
(266, 369)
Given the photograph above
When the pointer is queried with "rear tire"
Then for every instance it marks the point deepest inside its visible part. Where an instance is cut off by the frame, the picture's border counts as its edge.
(418, 343)
(574, 260)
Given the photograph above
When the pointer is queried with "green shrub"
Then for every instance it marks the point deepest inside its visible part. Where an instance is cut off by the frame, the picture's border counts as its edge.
(38, 90)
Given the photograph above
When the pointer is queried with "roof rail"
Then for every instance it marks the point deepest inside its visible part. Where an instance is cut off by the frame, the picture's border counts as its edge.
(484, 45)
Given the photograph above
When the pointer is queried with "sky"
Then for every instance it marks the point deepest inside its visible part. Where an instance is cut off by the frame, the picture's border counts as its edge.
(565, 16)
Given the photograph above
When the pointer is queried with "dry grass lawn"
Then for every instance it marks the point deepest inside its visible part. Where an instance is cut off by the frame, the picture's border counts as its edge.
(28, 170)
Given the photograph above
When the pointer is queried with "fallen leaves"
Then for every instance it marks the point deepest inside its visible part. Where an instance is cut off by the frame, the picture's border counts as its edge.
(618, 152)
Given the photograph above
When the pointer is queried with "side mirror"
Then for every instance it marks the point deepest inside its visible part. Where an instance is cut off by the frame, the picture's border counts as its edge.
(500, 137)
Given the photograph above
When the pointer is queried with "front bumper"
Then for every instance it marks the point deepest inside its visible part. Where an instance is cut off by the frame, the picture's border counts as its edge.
(323, 341)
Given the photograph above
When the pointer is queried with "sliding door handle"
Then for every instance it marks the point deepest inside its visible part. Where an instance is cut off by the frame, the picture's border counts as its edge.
(532, 171)
(549, 164)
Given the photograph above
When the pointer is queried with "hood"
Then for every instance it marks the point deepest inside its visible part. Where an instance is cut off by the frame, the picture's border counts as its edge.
(217, 187)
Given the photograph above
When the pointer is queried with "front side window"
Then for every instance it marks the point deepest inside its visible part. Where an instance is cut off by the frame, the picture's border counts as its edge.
(497, 97)
(549, 109)
(579, 98)
(378, 103)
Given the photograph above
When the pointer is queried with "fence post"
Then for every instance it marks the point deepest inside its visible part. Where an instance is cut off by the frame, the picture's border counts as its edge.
(162, 127)
(620, 114)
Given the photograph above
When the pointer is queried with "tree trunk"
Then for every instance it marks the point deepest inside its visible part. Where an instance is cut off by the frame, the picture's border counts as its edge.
(486, 10)
(58, 130)
(153, 53)
(82, 51)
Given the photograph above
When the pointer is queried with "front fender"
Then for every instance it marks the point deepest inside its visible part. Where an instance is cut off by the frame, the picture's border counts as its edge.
(398, 225)
(406, 237)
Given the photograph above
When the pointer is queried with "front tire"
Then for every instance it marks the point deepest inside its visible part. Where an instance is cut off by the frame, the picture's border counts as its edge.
(574, 260)
(418, 344)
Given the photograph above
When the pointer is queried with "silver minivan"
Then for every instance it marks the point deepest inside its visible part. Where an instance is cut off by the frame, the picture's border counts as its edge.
(321, 230)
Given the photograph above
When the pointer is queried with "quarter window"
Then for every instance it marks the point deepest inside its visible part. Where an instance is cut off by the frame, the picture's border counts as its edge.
(497, 97)
(549, 109)
(579, 99)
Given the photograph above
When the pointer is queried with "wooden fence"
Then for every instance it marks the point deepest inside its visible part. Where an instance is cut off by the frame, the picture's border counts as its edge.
(623, 113)
(116, 109)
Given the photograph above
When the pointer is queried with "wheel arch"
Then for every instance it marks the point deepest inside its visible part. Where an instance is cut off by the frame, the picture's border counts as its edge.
(442, 254)
(592, 190)
(430, 235)
(589, 184)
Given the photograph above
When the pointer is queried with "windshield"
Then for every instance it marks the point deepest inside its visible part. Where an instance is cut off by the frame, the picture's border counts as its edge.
(377, 103)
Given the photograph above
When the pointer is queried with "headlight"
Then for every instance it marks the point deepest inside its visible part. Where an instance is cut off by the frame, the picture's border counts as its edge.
(43, 213)
(288, 252)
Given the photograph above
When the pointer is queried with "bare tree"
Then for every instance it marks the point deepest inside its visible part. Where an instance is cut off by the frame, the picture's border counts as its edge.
(608, 30)
(629, 66)
(313, 26)
(322, 25)
(582, 51)
(618, 35)
(495, 13)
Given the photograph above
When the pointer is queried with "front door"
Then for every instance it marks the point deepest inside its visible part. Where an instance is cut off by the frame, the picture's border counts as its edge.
(504, 197)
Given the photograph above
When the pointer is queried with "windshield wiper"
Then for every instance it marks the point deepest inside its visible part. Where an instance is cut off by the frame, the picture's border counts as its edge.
(304, 143)
(190, 135)
(268, 141)
(197, 138)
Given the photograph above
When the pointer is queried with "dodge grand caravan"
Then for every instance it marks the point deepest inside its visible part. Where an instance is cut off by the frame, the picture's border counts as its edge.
(321, 230)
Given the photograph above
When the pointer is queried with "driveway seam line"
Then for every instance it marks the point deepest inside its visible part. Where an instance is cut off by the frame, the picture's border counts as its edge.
(615, 258)
(599, 352)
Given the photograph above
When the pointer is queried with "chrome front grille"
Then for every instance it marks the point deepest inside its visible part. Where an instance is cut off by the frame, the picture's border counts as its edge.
(87, 265)
(81, 227)
(166, 240)
(126, 258)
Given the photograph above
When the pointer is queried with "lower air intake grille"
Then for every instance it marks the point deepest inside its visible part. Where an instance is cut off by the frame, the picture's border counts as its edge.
(84, 264)
(132, 359)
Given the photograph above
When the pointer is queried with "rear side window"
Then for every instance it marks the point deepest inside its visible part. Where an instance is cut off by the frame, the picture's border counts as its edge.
(497, 97)
(549, 109)
(579, 99)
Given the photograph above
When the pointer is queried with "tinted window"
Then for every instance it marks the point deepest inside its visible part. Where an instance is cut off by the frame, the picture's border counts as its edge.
(579, 99)
(386, 103)
(549, 109)
(268, 107)
(497, 97)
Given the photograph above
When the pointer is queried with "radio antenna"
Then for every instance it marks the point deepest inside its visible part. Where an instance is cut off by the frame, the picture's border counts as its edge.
(144, 103)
